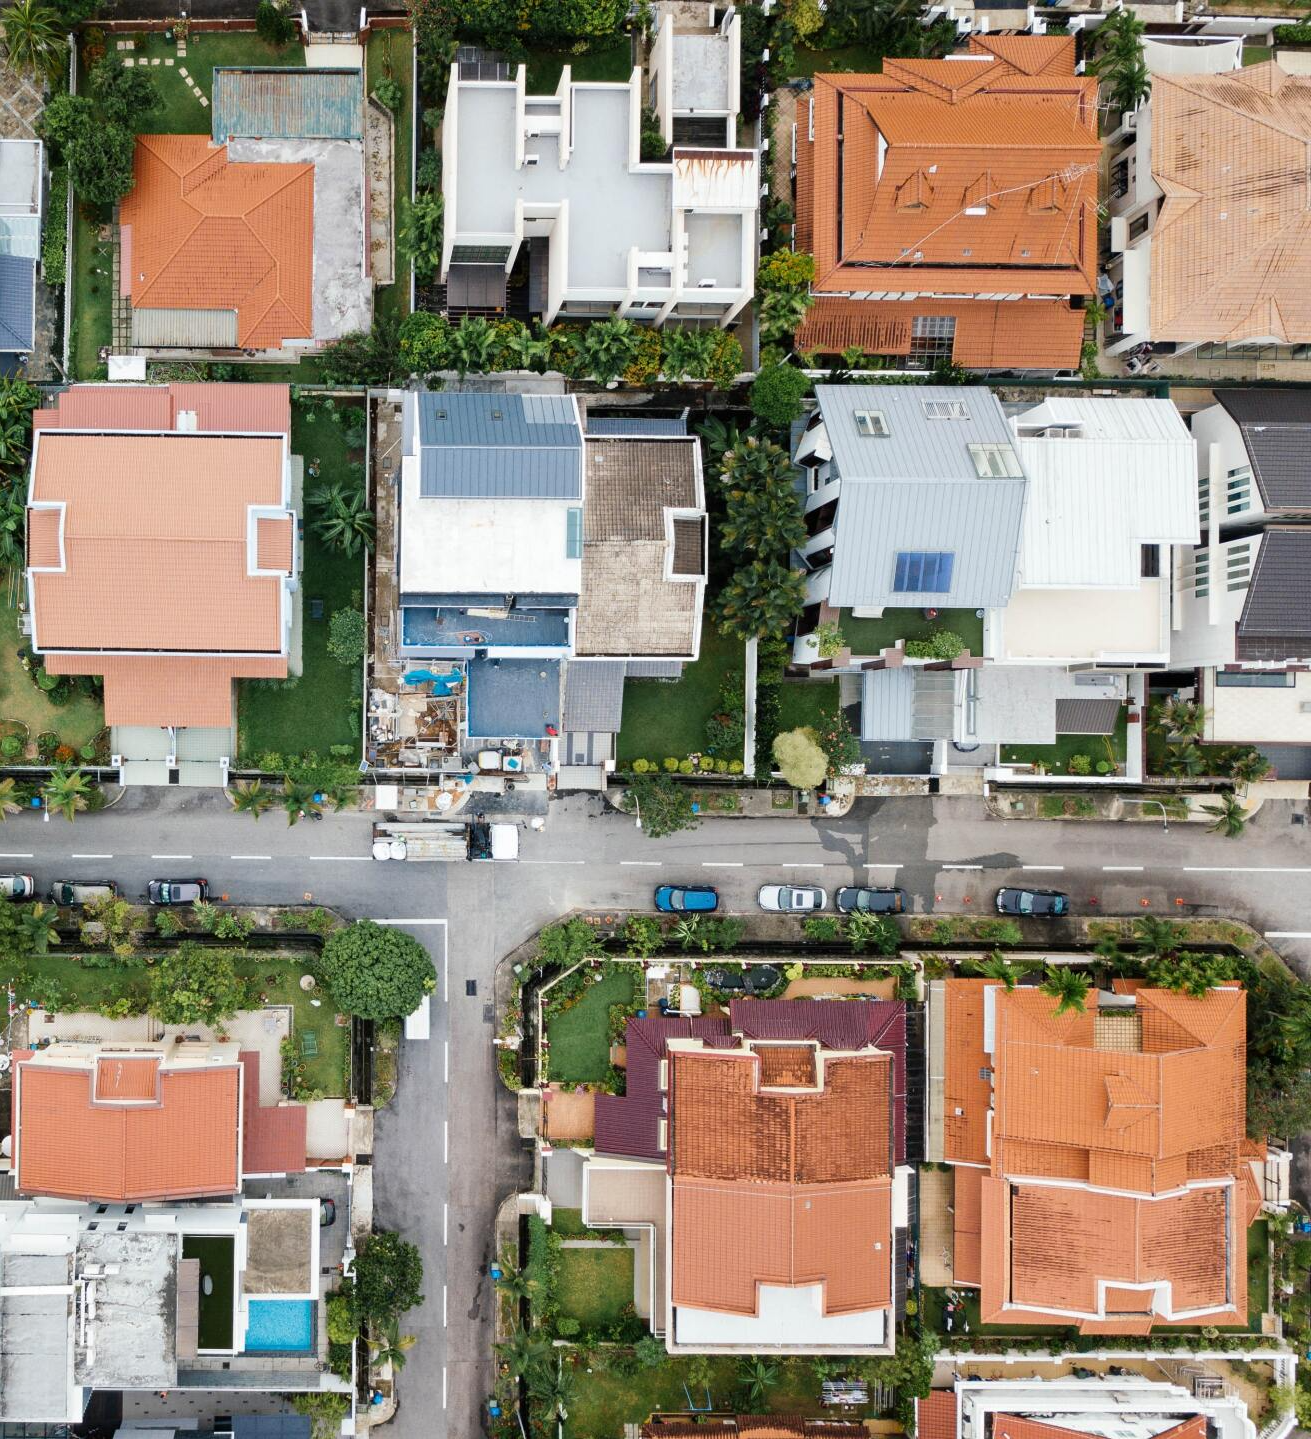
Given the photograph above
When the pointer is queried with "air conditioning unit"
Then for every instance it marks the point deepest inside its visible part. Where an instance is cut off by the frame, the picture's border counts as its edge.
(532, 159)
(707, 284)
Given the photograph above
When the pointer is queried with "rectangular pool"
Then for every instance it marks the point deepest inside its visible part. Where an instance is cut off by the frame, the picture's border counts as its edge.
(279, 1326)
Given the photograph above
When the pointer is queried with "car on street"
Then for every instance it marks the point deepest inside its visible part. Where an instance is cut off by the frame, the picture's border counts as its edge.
(17, 886)
(177, 891)
(1045, 903)
(852, 898)
(758, 979)
(686, 899)
(82, 891)
(792, 898)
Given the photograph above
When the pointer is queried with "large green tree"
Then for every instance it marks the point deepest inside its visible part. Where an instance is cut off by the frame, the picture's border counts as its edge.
(388, 1278)
(762, 598)
(662, 804)
(376, 972)
(100, 163)
(196, 985)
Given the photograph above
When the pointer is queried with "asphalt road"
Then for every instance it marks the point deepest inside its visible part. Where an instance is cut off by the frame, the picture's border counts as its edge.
(447, 1149)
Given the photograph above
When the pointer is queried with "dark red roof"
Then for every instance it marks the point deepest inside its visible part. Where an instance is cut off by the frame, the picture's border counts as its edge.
(273, 1138)
(629, 1124)
(836, 1024)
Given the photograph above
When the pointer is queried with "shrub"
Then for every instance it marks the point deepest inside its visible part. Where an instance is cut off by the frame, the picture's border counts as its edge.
(823, 928)
(376, 972)
(55, 236)
(167, 924)
(726, 360)
(343, 1323)
(347, 636)
(388, 1275)
(663, 805)
(940, 645)
(233, 926)
(388, 92)
(1080, 764)
(671, 763)
(275, 26)
(685, 766)
(777, 392)
(644, 367)
(193, 985)
(801, 760)
(641, 766)
(785, 270)
(425, 342)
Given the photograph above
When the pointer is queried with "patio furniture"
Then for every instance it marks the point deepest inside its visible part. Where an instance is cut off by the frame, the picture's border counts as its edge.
(309, 1044)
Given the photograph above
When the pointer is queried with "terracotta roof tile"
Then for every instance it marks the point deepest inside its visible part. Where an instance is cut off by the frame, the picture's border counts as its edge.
(967, 1094)
(127, 1079)
(72, 1146)
(967, 1216)
(752, 1426)
(786, 1066)
(218, 406)
(273, 1136)
(936, 1415)
(43, 549)
(208, 233)
(273, 543)
(1011, 1426)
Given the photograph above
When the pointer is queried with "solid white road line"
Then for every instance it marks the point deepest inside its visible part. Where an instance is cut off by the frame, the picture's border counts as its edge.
(1042, 866)
(641, 863)
(251, 856)
(13, 854)
(443, 1386)
(170, 856)
(1241, 869)
(408, 921)
(721, 864)
(90, 856)
(342, 858)
(962, 866)
(552, 861)
(803, 866)
(1122, 869)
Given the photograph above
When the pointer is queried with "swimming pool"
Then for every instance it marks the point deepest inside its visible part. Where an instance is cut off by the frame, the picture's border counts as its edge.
(280, 1326)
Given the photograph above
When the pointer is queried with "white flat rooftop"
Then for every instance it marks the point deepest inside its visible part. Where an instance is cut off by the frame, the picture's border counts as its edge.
(788, 1318)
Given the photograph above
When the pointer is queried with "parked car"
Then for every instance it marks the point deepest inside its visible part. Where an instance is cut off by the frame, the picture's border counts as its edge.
(327, 1211)
(759, 979)
(177, 891)
(686, 899)
(82, 891)
(1041, 902)
(17, 886)
(852, 897)
(792, 898)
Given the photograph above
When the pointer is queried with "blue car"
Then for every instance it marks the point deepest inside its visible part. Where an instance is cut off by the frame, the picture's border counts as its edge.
(683, 899)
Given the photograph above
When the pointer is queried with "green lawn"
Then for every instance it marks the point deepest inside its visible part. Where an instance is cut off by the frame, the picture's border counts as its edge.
(1257, 54)
(868, 637)
(595, 1286)
(663, 718)
(1057, 756)
(806, 703)
(91, 271)
(580, 1037)
(217, 1262)
(76, 723)
(393, 48)
(317, 713)
(612, 62)
(850, 59)
(1258, 1273)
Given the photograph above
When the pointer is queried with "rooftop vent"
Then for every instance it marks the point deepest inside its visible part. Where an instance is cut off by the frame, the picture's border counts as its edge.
(188, 421)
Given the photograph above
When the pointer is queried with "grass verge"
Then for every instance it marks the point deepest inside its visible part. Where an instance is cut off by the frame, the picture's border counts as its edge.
(91, 273)
(1258, 1273)
(612, 63)
(389, 52)
(580, 1037)
(663, 717)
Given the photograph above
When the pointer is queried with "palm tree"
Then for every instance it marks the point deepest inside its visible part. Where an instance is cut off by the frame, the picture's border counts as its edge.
(33, 40)
(9, 804)
(524, 1352)
(998, 967)
(38, 925)
(1230, 816)
(206, 914)
(607, 347)
(1068, 986)
(553, 1391)
(529, 351)
(1246, 766)
(250, 797)
(781, 313)
(346, 523)
(472, 346)
(1184, 761)
(391, 1346)
(66, 791)
(687, 352)
(762, 598)
(719, 439)
(298, 800)
(1181, 719)
(688, 932)
(759, 1376)
(515, 1283)
(1295, 1028)
(420, 233)
(1155, 936)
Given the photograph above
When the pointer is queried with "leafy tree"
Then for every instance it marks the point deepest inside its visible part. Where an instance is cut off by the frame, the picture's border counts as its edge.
(365, 357)
(37, 924)
(420, 233)
(100, 163)
(346, 521)
(642, 935)
(1069, 987)
(425, 342)
(651, 1353)
(195, 985)
(561, 945)
(781, 313)
(759, 1376)
(1278, 1100)
(528, 351)
(686, 352)
(777, 392)
(348, 635)
(608, 346)
(799, 757)
(1230, 816)
(762, 598)
(663, 805)
(250, 797)
(718, 438)
(388, 1274)
(127, 97)
(67, 791)
(785, 270)
(274, 25)
(473, 344)
(376, 972)
(878, 932)
(34, 42)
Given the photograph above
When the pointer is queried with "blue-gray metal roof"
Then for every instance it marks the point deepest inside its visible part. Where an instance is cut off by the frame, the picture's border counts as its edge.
(288, 104)
(648, 427)
(496, 446)
(917, 489)
(271, 1426)
(17, 295)
(513, 699)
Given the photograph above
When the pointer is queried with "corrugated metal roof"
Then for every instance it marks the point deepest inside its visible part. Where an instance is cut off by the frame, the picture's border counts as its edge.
(185, 329)
(496, 420)
(294, 104)
(917, 488)
(887, 701)
(594, 695)
(525, 474)
(17, 301)
(645, 426)
(1086, 716)
(654, 669)
(479, 445)
(1276, 430)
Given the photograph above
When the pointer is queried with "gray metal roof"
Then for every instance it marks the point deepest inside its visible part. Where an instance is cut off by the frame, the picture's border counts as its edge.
(499, 446)
(654, 669)
(288, 104)
(1276, 621)
(887, 704)
(648, 427)
(917, 489)
(17, 297)
(1276, 429)
(271, 1426)
(594, 695)
(1086, 716)
(184, 329)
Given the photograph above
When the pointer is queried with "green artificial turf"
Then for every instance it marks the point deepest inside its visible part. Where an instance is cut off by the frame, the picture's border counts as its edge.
(612, 62)
(217, 1262)
(580, 1036)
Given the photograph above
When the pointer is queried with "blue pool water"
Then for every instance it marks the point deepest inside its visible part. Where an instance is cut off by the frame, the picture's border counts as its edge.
(282, 1326)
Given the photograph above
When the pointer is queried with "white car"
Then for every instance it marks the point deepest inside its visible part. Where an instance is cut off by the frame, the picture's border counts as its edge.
(792, 898)
(17, 886)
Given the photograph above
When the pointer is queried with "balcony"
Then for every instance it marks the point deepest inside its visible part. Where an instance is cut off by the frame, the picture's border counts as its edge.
(867, 637)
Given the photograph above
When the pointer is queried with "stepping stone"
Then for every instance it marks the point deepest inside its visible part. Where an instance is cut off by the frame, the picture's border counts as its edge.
(120, 45)
(155, 61)
(203, 101)
(168, 62)
(129, 62)
(182, 70)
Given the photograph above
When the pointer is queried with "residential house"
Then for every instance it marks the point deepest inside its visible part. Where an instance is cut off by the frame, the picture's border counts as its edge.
(951, 207)
(162, 554)
(253, 240)
(1208, 217)
(1181, 1401)
(21, 182)
(559, 181)
(753, 1245)
(545, 564)
(141, 1123)
(1090, 1187)
(188, 1301)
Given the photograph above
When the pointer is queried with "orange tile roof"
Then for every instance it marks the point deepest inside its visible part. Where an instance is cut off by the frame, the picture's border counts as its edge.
(1231, 248)
(145, 690)
(218, 406)
(967, 1225)
(43, 538)
(972, 176)
(156, 545)
(935, 1415)
(780, 1187)
(1012, 1426)
(206, 233)
(124, 1079)
(73, 1144)
(273, 543)
(967, 1092)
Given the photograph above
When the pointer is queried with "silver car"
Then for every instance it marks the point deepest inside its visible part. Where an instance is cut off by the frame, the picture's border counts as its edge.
(17, 886)
(792, 898)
